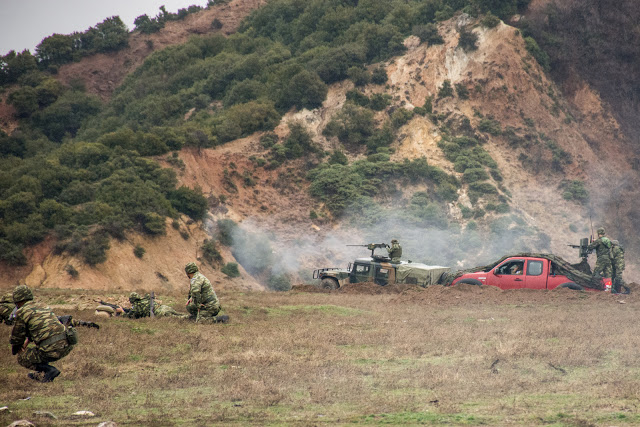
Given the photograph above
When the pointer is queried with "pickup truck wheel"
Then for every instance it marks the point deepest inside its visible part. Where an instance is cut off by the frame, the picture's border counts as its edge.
(329, 284)
(470, 282)
(572, 286)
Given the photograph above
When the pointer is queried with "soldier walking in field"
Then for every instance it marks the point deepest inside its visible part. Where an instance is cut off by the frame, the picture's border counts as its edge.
(38, 337)
(203, 303)
(617, 261)
(602, 245)
(395, 251)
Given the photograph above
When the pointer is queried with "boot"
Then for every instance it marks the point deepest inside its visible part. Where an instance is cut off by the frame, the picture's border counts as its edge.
(50, 372)
(222, 319)
(38, 375)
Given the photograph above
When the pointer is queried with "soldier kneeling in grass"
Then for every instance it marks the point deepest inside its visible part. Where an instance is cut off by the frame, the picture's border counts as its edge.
(203, 303)
(38, 337)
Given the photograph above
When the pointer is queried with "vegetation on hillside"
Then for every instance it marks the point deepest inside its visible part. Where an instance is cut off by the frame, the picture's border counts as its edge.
(78, 167)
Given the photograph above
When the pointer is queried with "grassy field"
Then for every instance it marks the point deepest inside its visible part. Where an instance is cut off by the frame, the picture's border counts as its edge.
(458, 356)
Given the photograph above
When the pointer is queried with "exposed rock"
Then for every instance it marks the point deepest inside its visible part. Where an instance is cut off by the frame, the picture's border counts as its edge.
(107, 424)
(83, 414)
(21, 423)
(37, 276)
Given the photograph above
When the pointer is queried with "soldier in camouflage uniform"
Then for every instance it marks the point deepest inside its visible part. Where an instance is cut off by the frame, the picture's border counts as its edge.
(203, 302)
(617, 261)
(141, 307)
(602, 245)
(38, 337)
(6, 307)
(395, 251)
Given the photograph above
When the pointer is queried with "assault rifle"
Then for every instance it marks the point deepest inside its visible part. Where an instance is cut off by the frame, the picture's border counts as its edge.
(583, 247)
(115, 307)
(373, 246)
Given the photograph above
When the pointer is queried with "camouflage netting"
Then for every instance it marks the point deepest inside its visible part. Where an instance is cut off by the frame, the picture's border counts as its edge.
(578, 273)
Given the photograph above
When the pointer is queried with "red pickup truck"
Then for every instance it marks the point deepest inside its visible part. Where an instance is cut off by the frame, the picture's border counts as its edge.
(519, 272)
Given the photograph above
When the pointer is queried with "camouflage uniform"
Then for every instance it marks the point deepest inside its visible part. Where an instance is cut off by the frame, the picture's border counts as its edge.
(6, 307)
(602, 245)
(141, 307)
(203, 301)
(395, 251)
(617, 253)
(48, 338)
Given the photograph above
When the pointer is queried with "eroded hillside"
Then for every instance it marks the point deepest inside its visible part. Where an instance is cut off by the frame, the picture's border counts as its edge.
(539, 140)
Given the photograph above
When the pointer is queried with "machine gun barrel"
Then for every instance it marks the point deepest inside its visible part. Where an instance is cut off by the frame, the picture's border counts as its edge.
(372, 246)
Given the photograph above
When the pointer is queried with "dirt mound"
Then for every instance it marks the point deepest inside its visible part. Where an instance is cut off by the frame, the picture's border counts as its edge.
(464, 294)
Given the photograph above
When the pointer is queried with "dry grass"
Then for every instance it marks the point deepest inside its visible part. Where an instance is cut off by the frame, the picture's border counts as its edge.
(454, 356)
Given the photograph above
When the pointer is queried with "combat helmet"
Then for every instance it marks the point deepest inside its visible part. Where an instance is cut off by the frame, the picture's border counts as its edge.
(191, 268)
(394, 240)
(600, 231)
(22, 293)
(133, 296)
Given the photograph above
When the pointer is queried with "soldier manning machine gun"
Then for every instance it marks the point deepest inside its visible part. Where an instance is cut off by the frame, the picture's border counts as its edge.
(372, 247)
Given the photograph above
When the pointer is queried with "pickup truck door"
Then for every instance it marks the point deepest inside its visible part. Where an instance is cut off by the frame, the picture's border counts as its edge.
(537, 272)
(508, 275)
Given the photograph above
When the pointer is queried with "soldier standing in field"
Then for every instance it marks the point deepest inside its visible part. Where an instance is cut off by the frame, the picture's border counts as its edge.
(38, 337)
(602, 245)
(617, 261)
(203, 302)
(395, 251)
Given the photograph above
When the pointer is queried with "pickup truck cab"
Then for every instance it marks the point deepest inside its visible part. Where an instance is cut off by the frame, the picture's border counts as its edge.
(524, 272)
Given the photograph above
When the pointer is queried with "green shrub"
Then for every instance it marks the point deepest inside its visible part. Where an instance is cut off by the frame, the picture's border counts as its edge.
(575, 191)
(490, 20)
(71, 270)
(467, 40)
(189, 202)
(445, 90)
(427, 33)
(279, 282)
(490, 126)
(536, 51)
(462, 91)
(379, 101)
(400, 117)
(379, 75)
(230, 269)
(474, 175)
(210, 251)
(94, 250)
(226, 230)
(139, 251)
(359, 75)
(338, 157)
(352, 125)
(299, 142)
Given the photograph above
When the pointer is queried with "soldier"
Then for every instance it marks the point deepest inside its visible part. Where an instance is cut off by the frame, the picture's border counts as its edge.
(617, 261)
(6, 307)
(602, 245)
(141, 307)
(395, 251)
(203, 302)
(38, 337)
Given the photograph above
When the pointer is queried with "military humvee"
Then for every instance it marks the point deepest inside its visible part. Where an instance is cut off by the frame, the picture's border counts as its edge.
(380, 270)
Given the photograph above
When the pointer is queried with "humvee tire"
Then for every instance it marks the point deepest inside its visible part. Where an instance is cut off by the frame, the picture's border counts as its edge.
(329, 284)
(572, 286)
(470, 282)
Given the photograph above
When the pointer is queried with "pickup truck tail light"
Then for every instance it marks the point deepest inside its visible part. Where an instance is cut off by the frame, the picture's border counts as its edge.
(607, 285)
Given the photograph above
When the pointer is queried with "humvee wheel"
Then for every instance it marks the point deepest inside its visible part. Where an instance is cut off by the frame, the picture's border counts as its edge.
(329, 284)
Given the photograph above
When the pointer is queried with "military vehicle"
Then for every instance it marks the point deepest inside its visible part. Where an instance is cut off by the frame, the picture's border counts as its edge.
(379, 269)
